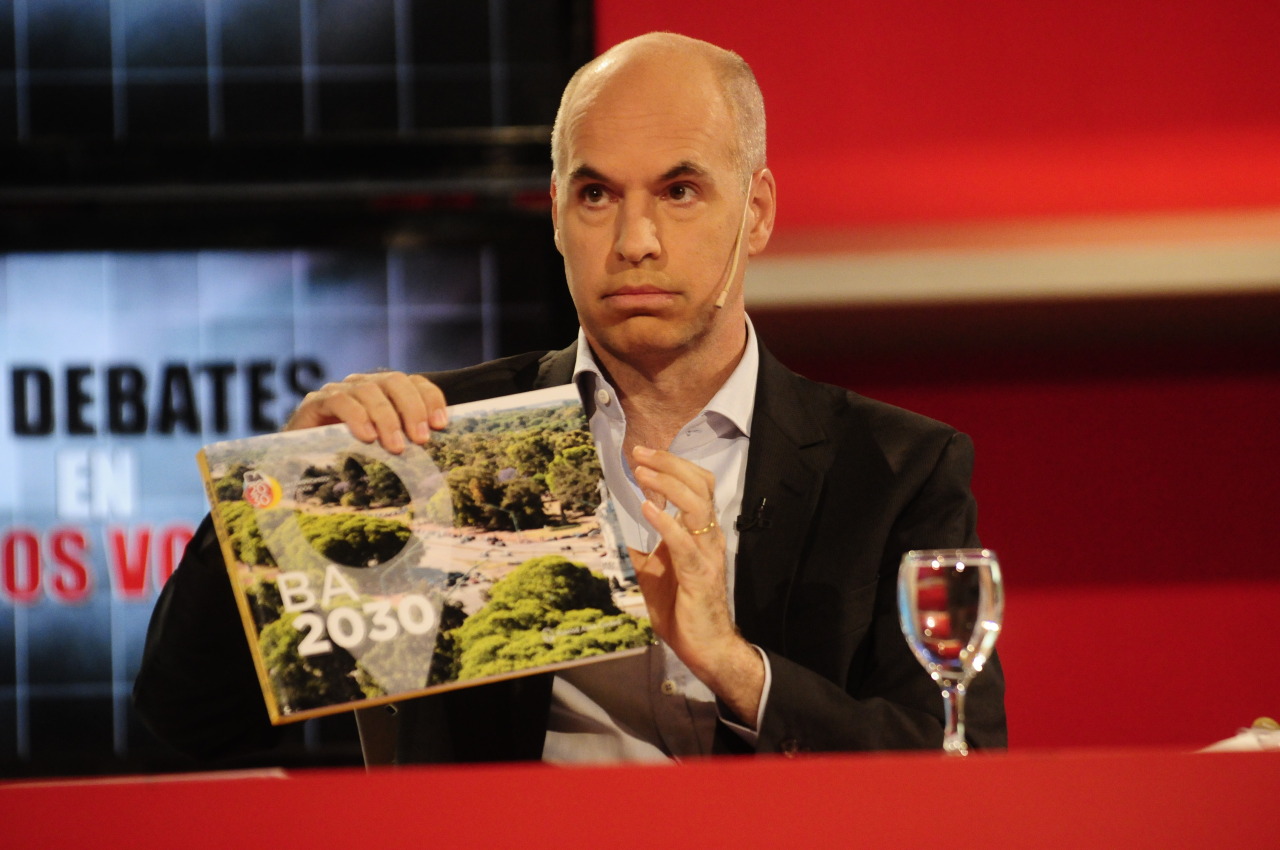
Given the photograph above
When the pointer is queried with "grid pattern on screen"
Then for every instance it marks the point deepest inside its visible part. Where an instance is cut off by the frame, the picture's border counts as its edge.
(238, 69)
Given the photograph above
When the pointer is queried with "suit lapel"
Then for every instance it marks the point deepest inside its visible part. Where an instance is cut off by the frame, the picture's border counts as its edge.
(556, 367)
(786, 462)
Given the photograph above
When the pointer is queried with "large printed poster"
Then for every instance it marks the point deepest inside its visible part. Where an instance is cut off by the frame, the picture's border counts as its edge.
(365, 577)
(117, 368)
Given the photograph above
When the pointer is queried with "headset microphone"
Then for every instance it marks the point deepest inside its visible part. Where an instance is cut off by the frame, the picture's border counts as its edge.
(737, 244)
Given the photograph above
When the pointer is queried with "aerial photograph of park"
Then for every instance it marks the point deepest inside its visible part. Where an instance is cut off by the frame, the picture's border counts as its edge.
(364, 576)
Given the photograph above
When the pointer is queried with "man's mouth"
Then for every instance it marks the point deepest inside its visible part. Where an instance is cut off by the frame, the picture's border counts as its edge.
(640, 300)
(638, 289)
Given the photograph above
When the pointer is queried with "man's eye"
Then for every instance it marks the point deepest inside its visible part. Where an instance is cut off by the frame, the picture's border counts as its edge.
(593, 194)
(680, 192)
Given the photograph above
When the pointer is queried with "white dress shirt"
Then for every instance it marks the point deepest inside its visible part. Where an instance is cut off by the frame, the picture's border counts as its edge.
(649, 706)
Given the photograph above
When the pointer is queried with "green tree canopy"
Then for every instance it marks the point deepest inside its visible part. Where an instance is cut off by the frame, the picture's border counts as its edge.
(548, 610)
(246, 540)
(553, 581)
(530, 452)
(353, 539)
(522, 499)
(574, 478)
(308, 681)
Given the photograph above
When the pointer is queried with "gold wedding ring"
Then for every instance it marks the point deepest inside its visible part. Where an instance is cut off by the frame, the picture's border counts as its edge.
(704, 529)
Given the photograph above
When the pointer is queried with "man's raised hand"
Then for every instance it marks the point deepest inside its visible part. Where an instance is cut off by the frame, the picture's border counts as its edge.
(382, 406)
(684, 582)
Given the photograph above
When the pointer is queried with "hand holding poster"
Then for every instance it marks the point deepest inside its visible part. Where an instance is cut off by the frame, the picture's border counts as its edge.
(365, 577)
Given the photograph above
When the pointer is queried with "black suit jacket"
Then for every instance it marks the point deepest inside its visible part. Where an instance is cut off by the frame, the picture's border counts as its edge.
(848, 484)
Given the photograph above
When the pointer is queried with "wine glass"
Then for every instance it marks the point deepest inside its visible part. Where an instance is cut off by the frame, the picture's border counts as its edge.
(950, 602)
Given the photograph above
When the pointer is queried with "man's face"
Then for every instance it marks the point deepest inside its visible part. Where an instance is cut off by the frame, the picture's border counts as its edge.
(647, 204)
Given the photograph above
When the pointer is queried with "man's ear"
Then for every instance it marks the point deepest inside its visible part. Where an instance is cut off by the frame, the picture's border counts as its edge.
(764, 207)
(555, 215)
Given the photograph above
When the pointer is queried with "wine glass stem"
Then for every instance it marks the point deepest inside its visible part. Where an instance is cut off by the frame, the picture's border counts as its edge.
(953, 742)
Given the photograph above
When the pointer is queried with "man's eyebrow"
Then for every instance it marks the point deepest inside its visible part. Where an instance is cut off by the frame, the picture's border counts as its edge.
(684, 169)
(680, 169)
(586, 172)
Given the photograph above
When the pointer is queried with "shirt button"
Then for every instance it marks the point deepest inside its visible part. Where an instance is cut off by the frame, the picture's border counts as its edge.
(602, 397)
(669, 687)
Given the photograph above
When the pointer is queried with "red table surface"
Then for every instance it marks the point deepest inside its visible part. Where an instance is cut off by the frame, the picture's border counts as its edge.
(1069, 799)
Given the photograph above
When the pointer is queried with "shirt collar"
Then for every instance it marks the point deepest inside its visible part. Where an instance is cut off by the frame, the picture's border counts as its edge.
(733, 403)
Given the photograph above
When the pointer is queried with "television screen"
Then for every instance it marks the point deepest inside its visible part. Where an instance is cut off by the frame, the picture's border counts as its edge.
(208, 208)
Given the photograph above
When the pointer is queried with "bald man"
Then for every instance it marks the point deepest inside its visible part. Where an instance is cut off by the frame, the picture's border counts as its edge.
(766, 513)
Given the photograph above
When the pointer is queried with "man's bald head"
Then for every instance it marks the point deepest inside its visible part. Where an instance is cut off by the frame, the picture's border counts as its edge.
(737, 86)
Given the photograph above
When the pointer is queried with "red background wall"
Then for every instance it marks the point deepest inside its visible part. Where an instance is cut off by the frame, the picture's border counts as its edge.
(1134, 510)
(1127, 465)
(937, 110)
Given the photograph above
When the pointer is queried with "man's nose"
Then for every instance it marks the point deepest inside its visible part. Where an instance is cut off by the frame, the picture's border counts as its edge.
(637, 233)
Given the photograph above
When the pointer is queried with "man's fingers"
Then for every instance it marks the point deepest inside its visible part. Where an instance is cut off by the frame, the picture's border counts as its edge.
(382, 412)
(686, 485)
(692, 503)
(384, 406)
(688, 549)
(330, 404)
(341, 406)
(433, 400)
(665, 462)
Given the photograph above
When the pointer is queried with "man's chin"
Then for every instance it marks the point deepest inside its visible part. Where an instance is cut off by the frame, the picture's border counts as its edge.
(643, 337)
